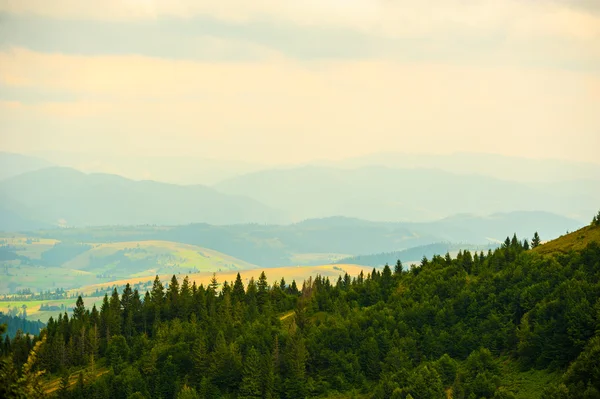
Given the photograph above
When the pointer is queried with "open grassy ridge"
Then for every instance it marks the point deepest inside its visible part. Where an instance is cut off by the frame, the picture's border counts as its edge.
(574, 241)
(46, 264)
(138, 258)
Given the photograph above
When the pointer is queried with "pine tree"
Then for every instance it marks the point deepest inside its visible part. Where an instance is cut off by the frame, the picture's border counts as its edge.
(126, 302)
(185, 297)
(262, 296)
(168, 376)
(214, 284)
(514, 242)
(398, 268)
(251, 301)
(136, 310)
(104, 320)
(535, 241)
(268, 380)
(172, 297)
(115, 313)
(157, 298)
(252, 377)
(596, 220)
(238, 292)
(200, 360)
(295, 384)
(79, 310)
(448, 259)
(386, 281)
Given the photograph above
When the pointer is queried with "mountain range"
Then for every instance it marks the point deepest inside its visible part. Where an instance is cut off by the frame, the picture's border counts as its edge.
(391, 194)
(319, 241)
(35, 194)
(66, 197)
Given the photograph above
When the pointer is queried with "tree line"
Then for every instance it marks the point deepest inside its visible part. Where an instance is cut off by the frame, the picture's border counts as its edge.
(438, 328)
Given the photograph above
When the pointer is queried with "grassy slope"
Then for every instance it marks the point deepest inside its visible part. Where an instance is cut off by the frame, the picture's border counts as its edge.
(574, 241)
(43, 278)
(111, 260)
(159, 255)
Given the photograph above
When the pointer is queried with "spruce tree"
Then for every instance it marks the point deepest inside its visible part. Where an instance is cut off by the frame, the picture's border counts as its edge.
(185, 298)
(79, 310)
(251, 386)
(238, 293)
(535, 241)
(157, 298)
(262, 296)
(398, 268)
(172, 297)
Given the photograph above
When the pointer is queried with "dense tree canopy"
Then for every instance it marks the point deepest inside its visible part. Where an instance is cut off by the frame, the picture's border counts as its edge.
(436, 329)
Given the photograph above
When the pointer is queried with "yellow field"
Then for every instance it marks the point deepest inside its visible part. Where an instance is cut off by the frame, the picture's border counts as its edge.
(289, 273)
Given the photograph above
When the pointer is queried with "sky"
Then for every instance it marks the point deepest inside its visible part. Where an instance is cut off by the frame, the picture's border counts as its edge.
(276, 81)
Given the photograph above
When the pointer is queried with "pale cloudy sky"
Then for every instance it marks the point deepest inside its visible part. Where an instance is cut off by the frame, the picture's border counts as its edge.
(290, 81)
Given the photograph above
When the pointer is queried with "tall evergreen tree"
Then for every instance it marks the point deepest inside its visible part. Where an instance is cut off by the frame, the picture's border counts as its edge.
(398, 269)
(535, 241)
(157, 299)
(115, 314)
(238, 292)
(251, 386)
(262, 295)
(79, 310)
(185, 298)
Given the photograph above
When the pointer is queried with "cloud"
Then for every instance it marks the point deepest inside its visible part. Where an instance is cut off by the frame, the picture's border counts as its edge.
(397, 18)
(280, 81)
(280, 110)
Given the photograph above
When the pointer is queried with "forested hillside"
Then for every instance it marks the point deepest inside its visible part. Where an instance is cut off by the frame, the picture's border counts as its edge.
(509, 323)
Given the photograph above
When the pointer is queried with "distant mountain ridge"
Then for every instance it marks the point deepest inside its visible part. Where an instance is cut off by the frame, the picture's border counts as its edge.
(392, 194)
(493, 165)
(59, 195)
(64, 196)
(277, 245)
